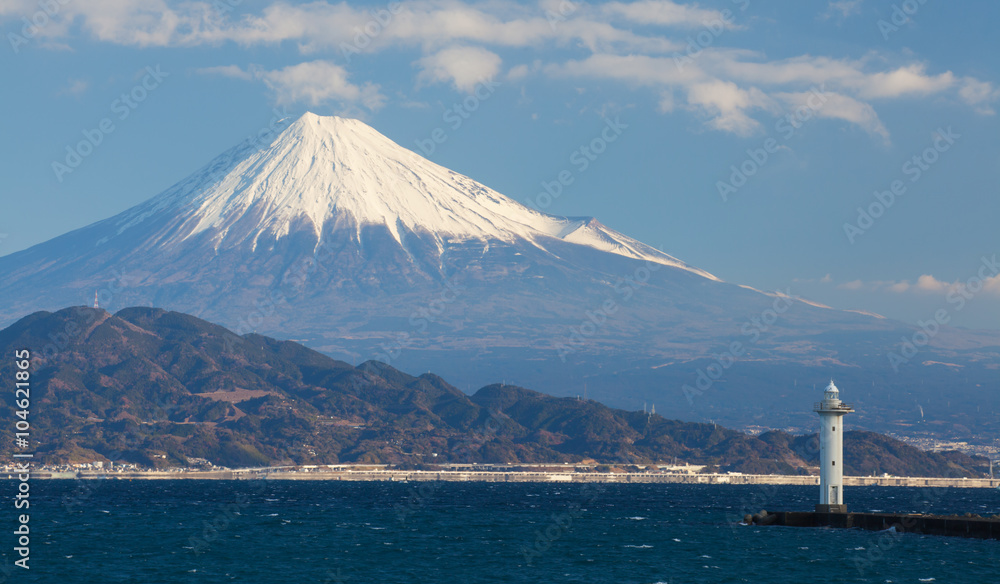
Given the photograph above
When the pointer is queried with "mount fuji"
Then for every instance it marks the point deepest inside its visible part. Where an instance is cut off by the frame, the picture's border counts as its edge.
(333, 235)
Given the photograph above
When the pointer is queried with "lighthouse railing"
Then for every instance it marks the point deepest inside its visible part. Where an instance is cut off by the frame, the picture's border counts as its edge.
(820, 407)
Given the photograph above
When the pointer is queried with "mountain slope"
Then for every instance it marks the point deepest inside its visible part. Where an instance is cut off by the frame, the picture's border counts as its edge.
(335, 236)
(158, 388)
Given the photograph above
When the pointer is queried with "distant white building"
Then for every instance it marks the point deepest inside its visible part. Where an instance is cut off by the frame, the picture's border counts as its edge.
(831, 451)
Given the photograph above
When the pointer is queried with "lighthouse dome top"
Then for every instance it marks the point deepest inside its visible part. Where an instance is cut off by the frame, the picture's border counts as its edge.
(831, 391)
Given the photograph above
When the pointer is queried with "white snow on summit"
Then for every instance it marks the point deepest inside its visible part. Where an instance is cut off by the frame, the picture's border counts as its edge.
(323, 169)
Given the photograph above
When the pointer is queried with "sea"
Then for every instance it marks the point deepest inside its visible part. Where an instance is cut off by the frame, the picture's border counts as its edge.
(107, 531)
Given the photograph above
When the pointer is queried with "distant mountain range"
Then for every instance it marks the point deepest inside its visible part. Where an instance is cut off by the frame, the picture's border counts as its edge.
(334, 236)
(159, 388)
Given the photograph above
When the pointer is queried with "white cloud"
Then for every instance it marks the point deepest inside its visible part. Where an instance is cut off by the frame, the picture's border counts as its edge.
(979, 94)
(636, 70)
(142, 23)
(75, 87)
(667, 102)
(928, 284)
(727, 105)
(313, 83)
(837, 106)
(844, 75)
(842, 9)
(903, 81)
(18, 8)
(519, 72)
(463, 67)
(663, 12)
(459, 42)
(233, 71)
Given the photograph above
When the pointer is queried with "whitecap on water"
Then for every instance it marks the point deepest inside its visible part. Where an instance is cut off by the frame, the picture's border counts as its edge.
(677, 540)
(637, 518)
(638, 547)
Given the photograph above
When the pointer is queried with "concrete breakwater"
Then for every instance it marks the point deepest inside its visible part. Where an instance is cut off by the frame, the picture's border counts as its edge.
(959, 526)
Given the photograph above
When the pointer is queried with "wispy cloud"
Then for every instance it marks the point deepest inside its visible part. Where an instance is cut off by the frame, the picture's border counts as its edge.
(842, 9)
(463, 67)
(312, 83)
(925, 284)
(227, 71)
(459, 43)
(663, 13)
(75, 87)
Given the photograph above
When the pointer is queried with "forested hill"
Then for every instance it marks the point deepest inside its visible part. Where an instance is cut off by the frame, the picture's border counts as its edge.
(159, 388)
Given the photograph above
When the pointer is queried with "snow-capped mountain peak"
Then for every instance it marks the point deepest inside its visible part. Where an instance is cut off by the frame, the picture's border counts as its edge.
(324, 173)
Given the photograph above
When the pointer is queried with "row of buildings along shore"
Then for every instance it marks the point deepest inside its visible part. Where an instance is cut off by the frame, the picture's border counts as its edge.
(496, 473)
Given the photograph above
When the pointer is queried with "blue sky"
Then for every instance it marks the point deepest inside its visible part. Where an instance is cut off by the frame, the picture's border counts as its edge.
(754, 131)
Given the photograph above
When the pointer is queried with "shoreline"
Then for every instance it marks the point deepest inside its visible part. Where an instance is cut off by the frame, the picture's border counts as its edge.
(513, 477)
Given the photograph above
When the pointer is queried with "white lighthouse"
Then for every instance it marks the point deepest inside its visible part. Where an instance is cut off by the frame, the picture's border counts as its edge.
(831, 451)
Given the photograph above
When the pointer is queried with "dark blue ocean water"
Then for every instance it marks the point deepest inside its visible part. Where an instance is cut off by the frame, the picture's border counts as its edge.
(283, 531)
